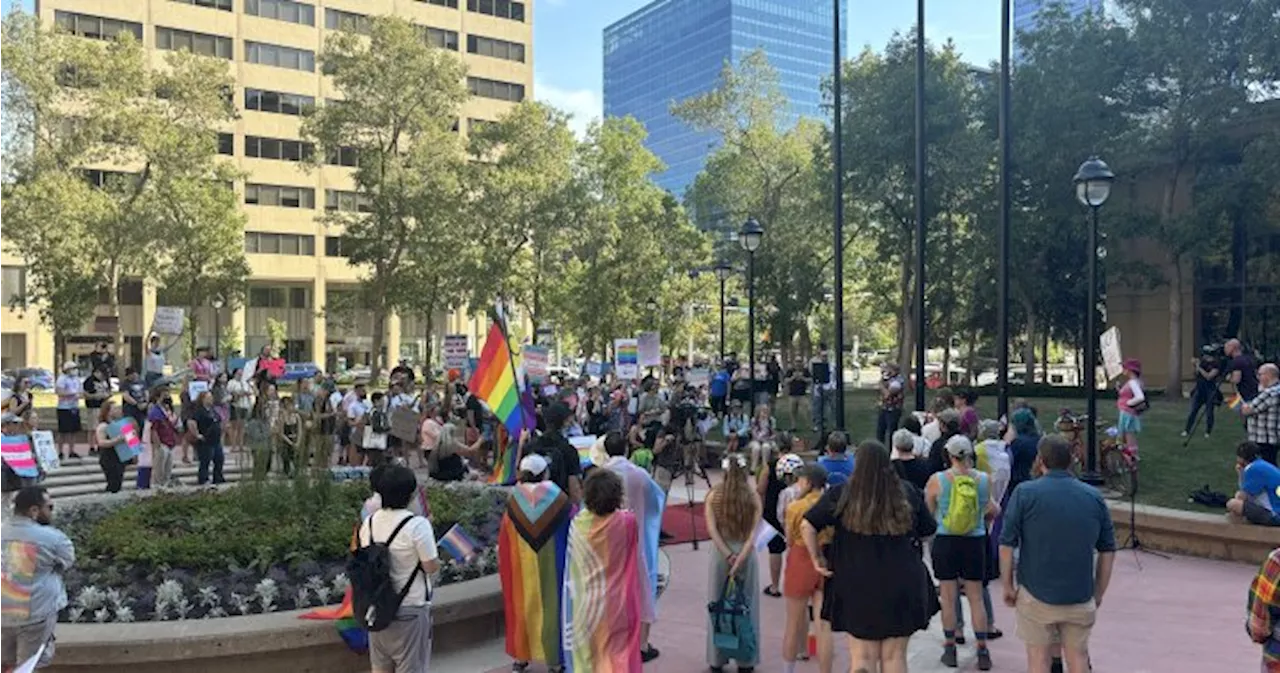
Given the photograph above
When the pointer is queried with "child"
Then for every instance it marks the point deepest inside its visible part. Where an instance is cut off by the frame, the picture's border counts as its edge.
(837, 462)
(1131, 401)
(374, 442)
(737, 428)
(801, 582)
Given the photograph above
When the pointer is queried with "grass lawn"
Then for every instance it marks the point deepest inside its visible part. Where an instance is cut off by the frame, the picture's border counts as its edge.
(1168, 471)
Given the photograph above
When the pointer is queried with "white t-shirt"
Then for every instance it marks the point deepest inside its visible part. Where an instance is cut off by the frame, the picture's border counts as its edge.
(242, 393)
(68, 389)
(356, 409)
(401, 400)
(415, 544)
(931, 431)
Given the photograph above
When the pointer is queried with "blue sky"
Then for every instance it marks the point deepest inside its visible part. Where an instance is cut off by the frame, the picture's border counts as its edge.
(567, 38)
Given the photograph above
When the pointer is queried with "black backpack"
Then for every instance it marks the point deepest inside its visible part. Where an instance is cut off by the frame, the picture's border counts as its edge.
(380, 421)
(375, 600)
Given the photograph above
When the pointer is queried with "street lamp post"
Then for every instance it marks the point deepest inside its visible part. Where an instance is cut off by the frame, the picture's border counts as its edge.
(722, 274)
(920, 206)
(1093, 186)
(1002, 301)
(838, 170)
(749, 237)
(218, 303)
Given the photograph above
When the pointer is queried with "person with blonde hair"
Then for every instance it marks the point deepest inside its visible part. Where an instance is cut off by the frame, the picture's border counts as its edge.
(733, 511)
(762, 444)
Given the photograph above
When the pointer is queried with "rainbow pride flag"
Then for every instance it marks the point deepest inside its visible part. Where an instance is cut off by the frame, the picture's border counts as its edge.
(343, 616)
(495, 381)
(506, 459)
(1235, 402)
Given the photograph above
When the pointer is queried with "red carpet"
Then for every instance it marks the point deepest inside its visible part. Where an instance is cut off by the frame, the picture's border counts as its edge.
(684, 524)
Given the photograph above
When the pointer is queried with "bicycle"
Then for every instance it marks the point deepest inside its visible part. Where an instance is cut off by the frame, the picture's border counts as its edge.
(1117, 464)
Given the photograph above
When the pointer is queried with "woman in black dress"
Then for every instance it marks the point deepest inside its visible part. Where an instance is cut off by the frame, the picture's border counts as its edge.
(880, 592)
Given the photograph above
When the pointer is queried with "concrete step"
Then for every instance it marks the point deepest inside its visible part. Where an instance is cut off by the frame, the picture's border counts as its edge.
(85, 477)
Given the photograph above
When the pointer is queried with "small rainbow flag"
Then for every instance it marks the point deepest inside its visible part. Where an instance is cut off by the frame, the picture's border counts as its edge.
(495, 381)
(16, 453)
(458, 544)
(356, 638)
(1235, 402)
(506, 459)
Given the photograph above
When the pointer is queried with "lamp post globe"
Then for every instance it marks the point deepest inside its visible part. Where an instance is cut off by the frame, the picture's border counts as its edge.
(1093, 182)
(723, 270)
(750, 235)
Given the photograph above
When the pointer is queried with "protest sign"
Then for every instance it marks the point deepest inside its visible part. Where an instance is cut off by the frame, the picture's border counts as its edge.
(16, 453)
(168, 320)
(404, 425)
(626, 354)
(456, 353)
(1112, 360)
(46, 452)
(535, 363)
(194, 388)
(249, 368)
(593, 369)
(132, 444)
(649, 347)
(697, 378)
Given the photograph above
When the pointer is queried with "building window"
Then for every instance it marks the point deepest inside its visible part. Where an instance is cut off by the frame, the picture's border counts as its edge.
(336, 19)
(441, 38)
(490, 88)
(279, 195)
(333, 246)
(96, 27)
(128, 292)
(474, 125)
(343, 156)
(336, 200)
(204, 44)
(13, 285)
(263, 243)
(487, 46)
(224, 5)
(277, 148)
(503, 9)
(451, 4)
(277, 102)
(100, 178)
(298, 297)
(282, 10)
(280, 57)
(227, 144)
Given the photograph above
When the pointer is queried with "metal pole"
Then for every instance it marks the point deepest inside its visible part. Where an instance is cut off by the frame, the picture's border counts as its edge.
(722, 321)
(1002, 299)
(838, 154)
(217, 331)
(920, 209)
(751, 327)
(1091, 357)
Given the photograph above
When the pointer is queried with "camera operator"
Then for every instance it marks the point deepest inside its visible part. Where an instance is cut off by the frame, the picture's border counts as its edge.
(1206, 394)
(1241, 370)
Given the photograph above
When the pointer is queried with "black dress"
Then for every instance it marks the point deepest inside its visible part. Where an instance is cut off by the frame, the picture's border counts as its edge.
(881, 588)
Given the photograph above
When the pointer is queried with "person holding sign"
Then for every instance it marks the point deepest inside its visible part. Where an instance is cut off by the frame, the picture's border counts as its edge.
(109, 436)
(206, 426)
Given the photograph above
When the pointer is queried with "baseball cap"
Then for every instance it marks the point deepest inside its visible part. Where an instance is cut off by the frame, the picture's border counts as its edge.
(533, 464)
(959, 446)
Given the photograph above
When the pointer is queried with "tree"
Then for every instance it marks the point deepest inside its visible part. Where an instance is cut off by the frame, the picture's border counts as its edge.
(768, 173)
(399, 99)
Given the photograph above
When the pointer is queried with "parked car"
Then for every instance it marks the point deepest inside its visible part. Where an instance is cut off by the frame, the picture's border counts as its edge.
(37, 377)
(296, 371)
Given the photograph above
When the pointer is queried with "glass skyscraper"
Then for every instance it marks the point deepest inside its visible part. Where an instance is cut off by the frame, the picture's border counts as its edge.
(1024, 11)
(670, 50)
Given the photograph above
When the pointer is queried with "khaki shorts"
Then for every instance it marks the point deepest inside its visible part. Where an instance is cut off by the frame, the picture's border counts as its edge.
(405, 645)
(1042, 624)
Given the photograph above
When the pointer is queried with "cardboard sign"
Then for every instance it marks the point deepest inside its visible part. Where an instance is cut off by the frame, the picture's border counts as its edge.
(16, 453)
(249, 368)
(593, 369)
(194, 389)
(535, 359)
(404, 425)
(1112, 360)
(46, 452)
(697, 378)
(456, 353)
(168, 320)
(649, 347)
(626, 353)
(132, 444)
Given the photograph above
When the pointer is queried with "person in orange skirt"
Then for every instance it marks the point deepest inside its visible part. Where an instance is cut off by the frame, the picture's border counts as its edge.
(801, 582)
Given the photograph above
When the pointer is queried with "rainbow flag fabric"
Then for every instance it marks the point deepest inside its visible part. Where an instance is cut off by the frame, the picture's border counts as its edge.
(16, 453)
(458, 544)
(603, 594)
(506, 459)
(343, 616)
(495, 382)
(533, 541)
(1235, 402)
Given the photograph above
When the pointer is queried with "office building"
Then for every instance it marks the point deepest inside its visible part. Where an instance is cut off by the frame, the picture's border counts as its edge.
(271, 48)
(670, 50)
(1025, 11)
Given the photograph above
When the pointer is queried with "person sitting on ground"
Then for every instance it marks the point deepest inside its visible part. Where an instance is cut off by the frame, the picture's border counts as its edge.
(1258, 500)
(837, 461)
(762, 445)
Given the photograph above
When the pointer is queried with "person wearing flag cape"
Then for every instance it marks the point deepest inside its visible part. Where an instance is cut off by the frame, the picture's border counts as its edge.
(533, 541)
(643, 496)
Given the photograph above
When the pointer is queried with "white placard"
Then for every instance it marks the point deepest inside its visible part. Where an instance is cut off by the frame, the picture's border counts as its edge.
(1112, 360)
(46, 452)
(194, 389)
(697, 378)
(456, 353)
(168, 320)
(248, 370)
(536, 365)
(626, 358)
(650, 347)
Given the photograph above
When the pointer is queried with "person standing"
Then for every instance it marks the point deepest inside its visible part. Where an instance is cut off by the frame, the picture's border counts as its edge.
(1205, 395)
(103, 358)
(604, 568)
(733, 510)
(1131, 401)
(820, 375)
(405, 645)
(837, 461)
(1262, 413)
(960, 499)
(97, 390)
(243, 399)
(154, 363)
(69, 390)
(645, 498)
(1263, 614)
(133, 392)
(19, 402)
(802, 583)
(1241, 370)
(910, 467)
(719, 390)
(892, 393)
(1056, 523)
(878, 590)
(36, 555)
(107, 440)
(562, 459)
(164, 436)
(206, 427)
(797, 383)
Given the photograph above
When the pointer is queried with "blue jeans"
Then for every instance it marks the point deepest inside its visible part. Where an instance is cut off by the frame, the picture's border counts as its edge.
(886, 423)
(819, 408)
(209, 454)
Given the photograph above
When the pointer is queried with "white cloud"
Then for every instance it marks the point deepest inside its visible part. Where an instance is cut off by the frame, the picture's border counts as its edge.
(583, 104)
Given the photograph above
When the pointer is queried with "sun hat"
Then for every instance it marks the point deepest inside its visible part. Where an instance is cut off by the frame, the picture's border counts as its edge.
(1133, 365)
(533, 464)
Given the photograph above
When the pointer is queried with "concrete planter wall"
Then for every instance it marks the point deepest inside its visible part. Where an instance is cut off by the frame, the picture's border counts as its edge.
(1195, 533)
(465, 613)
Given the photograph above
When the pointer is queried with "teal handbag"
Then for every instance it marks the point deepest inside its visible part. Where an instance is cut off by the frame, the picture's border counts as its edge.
(733, 633)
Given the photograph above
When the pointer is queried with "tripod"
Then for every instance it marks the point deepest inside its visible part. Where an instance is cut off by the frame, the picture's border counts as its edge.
(690, 468)
(1134, 542)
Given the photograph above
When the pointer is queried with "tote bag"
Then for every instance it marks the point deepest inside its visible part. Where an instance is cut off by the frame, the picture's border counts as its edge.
(732, 633)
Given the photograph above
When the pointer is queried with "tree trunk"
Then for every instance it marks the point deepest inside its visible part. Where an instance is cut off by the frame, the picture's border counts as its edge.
(60, 348)
(113, 309)
(1173, 384)
(973, 349)
(376, 361)
(1029, 351)
(428, 323)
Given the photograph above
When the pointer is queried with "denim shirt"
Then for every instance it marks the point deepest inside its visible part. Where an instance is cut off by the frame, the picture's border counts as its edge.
(34, 558)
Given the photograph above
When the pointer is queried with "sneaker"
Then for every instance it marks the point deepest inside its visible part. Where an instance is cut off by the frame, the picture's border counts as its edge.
(949, 656)
(1056, 666)
(648, 654)
(1206, 435)
(1184, 433)
(995, 634)
(984, 660)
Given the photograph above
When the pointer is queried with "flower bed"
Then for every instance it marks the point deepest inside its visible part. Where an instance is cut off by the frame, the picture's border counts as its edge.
(251, 549)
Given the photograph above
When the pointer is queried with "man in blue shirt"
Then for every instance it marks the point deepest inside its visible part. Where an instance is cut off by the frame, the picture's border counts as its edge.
(719, 390)
(1258, 500)
(35, 556)
(837, 461)
(1058, 523)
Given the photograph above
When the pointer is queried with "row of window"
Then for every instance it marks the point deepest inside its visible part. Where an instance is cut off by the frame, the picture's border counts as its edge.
(503, 9)
(279, 195)
(203, 44)
(224, 5)
(279, 56)
(95, 27)
(282, 10)
(279, 297)
(492, 88)
(264, 243)
(487, 46)
(278, 148)
(278, 102)
(336, 19)
(346, 202)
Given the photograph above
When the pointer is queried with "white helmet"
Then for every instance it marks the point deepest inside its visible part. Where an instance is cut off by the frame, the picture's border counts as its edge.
(788, 463)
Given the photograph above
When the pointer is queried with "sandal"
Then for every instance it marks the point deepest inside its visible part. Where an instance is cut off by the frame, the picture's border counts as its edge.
(649, 653)
(771, 591)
